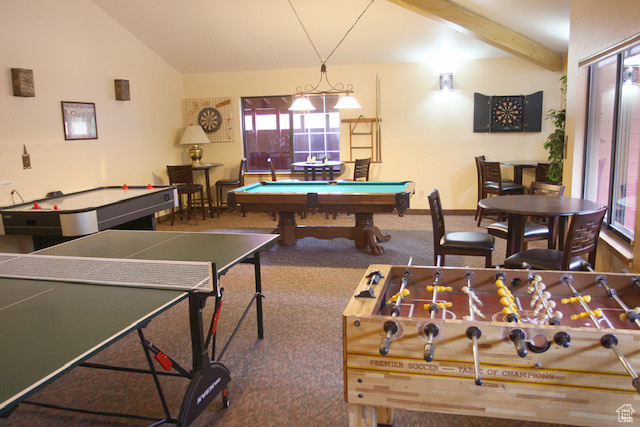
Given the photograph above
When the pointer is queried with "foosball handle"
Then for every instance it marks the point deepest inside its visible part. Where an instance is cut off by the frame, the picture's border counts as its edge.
(390, 327)
(562, 338)
(384, 346)
(517, 336)
(431, 330)
(429, 349)
(636, 383)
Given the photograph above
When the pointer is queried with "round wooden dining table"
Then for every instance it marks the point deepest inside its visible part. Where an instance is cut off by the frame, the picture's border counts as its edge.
(519, 207)
(519, 166)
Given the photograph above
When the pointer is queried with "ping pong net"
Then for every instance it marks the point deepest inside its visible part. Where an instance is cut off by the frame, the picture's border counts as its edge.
(158, 274)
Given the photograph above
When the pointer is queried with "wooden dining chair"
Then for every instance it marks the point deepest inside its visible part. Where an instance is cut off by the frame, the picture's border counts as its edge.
(361, 169)
(546, 189)
(224, 185)
(479, 182)
(537, 228)
(471, 243)
(181, 177)
(542, 169)
(582, 239)
(493, 184)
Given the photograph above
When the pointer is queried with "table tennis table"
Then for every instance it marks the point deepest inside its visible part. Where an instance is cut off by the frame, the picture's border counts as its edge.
(74, 317)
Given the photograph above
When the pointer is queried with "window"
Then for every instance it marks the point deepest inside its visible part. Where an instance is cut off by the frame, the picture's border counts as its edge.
(613, 139)
(268, 131)
(317, 133)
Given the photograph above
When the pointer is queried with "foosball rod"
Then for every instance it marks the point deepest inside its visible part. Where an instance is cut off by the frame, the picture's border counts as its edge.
(391, 327)
(473, 332)
(566, 279)
(601, 280)
(608, 340)
(431, 329)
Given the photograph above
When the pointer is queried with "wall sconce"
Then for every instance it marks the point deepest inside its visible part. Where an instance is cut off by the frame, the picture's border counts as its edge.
(22, 80)
(122, 90)
(446, 81)
(630, 75)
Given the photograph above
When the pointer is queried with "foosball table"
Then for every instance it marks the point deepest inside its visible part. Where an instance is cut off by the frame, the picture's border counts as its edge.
(547, 346)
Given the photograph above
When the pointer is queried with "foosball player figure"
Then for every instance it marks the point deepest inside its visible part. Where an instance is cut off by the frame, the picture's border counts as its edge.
(508, 300)
(474, 302)
(583, 299)
(511, 311)
(542, 305)
(630, 314)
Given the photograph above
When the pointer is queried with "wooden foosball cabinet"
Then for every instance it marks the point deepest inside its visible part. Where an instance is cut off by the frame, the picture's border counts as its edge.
(548, 346)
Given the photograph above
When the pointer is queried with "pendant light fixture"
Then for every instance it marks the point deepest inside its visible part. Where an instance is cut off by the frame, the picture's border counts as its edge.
(347, 100)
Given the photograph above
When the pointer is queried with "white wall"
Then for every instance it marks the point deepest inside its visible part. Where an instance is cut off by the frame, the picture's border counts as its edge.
(427, 135)
(76, 51)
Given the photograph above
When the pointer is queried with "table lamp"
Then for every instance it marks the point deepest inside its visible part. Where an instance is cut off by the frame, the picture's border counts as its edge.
(195, 136)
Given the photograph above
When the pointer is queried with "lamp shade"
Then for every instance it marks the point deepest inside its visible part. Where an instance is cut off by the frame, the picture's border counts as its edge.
(194, 135)
(302, 103)
(347, 102)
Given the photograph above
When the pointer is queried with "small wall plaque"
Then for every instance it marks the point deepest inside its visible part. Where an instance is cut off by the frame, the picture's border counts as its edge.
(22, 80)
(122, 90)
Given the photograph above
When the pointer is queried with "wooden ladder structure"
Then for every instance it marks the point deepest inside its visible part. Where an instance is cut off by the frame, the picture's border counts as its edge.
(363, 126)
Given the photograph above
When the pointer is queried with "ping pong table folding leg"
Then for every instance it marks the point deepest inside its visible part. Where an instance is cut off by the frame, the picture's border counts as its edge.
(255, 260)
(152, 367)
(208, 378)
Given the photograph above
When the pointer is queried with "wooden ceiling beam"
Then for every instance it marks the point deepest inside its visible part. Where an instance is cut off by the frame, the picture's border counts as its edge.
(481, 28)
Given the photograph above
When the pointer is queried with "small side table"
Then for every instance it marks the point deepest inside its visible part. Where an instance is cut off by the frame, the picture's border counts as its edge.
(319, 165)
(206, 168)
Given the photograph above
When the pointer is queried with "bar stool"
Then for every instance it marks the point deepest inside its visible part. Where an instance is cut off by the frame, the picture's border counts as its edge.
(224, 185)
(182, 177)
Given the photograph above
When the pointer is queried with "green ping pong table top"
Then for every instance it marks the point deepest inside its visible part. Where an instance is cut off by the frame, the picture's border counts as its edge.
(54, 326)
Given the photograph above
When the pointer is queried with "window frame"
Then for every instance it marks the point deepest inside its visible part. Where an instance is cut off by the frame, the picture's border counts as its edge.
(617, 165)
(327, 150)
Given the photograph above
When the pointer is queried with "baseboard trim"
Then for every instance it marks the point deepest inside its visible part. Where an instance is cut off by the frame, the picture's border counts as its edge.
(460, 212)
(446, 212)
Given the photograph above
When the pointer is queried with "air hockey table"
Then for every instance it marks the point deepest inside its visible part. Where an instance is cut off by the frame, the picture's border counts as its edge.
(61, 218)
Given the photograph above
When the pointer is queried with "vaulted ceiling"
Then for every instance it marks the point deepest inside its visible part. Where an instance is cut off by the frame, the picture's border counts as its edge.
(204, 36)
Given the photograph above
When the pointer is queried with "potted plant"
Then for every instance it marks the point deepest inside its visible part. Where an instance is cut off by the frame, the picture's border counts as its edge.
(556, 140)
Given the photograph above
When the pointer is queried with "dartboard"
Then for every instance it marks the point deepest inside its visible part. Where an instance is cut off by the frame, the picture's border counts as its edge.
(507, 113)
(210, 119)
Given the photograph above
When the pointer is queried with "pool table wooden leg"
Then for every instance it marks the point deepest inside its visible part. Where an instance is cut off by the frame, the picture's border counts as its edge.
(287, 228)
(365, 234)
(380, 236)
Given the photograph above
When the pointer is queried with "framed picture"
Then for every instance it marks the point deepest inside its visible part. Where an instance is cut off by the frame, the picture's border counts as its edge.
(79, 120)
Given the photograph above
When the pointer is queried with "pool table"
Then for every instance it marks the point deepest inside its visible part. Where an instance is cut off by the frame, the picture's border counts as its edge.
(361, 198)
